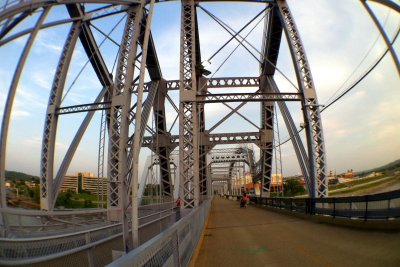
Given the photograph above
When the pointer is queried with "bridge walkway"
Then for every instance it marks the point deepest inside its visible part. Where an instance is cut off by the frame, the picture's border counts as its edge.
(257, 237)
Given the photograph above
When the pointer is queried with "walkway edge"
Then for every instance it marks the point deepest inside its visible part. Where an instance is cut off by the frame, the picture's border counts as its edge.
(196, 252)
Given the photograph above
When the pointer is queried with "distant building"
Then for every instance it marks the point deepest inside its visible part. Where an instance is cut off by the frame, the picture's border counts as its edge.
(349, 174)
(375, 174)
(276, 182)
(85, 181)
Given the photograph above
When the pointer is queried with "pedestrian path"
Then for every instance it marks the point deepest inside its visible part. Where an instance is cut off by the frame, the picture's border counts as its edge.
(254, 236)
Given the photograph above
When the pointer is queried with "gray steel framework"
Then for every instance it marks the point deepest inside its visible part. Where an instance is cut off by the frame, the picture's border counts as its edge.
(311, 109)
(126, 113)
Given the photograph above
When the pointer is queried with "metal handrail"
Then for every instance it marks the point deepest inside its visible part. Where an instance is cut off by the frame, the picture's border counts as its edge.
(378, 206)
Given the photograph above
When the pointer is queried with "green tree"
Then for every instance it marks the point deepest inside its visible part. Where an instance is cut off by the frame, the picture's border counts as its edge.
(88, 203)
(64, 199)
(293, 187)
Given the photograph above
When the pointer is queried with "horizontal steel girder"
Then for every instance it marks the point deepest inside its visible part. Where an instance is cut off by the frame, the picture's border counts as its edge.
(212, 98)
(84, 108)
(228, 82)
(214, 139)
(248, 97)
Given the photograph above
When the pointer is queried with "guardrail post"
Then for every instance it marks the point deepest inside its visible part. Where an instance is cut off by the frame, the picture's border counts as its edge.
(388, 211)
(89, 250)
(334, 207)
(291, 204)
(307, 202)
(351, 209)
(177, 261)
(366, 208)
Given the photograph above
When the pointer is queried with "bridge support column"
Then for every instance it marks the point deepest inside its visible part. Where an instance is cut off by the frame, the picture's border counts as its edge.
(162, 145)
(119, 124)
(188, 111)
(267, 139)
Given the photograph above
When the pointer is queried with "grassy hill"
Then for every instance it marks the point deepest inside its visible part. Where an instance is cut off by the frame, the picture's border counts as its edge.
(12, 175)
(390, 167)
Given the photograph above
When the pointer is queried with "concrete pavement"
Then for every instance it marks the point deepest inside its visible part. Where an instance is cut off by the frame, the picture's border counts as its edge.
(257, 237)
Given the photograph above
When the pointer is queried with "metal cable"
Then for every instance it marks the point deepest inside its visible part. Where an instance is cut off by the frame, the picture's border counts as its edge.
(87, 62)
(370, 69)
(263, 57)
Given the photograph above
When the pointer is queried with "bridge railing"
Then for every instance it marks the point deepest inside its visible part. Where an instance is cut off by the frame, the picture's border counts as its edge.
(368, 207)
(35, 223)
(173, 247)
(88, 245)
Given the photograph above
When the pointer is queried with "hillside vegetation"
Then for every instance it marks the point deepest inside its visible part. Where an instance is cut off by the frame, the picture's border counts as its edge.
(13, 175)
(390, 167)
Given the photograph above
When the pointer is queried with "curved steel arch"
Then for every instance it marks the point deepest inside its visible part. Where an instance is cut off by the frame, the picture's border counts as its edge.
(382, 31)
(388, 3)
(124, 148)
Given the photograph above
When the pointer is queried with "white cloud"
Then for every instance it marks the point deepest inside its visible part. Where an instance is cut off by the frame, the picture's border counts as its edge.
(43, 80)
(336, 36)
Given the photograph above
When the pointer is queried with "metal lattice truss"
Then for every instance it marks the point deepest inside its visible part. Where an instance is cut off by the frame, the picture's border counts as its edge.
(311, 109)
(120, 100)
(225, 163)
(138, 92)
(127, 102)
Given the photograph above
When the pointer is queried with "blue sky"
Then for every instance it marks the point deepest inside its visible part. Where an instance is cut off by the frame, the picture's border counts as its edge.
(361, 130)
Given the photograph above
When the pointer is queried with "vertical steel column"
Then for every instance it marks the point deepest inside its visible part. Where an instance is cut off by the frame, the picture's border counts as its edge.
(119, 123)
(267, 138)
(311, 110)
(51, 120)
(9, 103)
(137, 140)
(384, 35)
(203, 149)
(162, 139)
(145, 113)
(188, 118)
(100, 159)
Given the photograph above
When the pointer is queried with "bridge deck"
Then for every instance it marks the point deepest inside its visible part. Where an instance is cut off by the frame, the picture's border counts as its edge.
(256, 237)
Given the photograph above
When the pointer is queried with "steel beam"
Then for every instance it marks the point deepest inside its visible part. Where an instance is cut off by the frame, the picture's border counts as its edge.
(83, 108)
(119, 123)
(188, 117)
(92, 50)
(204, 148)
(267, 139)
(389, 3)
(73, 147)
(162, 142)
(227, 82)
(139, 128)
(30, 5)
(294, 136)
(248, 97)
(51, 121)
(13, 23)
(9, 104)
(211, 140)
(311, 109)
(271, 42)
(144, 117)
(384, 35)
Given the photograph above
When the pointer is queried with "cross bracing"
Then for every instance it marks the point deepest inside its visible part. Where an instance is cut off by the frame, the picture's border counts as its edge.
(136, 92)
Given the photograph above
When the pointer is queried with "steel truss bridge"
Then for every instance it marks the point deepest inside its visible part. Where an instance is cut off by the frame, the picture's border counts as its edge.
(137, 91)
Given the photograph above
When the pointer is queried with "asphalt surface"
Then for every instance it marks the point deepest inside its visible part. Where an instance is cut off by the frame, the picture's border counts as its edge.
(253, 236)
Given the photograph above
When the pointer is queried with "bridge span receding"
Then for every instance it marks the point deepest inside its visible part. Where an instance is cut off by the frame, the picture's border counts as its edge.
(254, 236)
